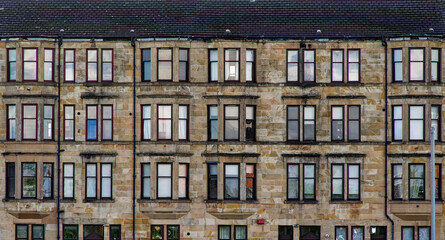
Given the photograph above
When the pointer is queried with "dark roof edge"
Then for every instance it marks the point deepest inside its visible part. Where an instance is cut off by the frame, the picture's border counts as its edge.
(225, 37)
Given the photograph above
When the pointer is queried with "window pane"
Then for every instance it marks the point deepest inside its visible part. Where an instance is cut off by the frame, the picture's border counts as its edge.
(353, 56)
(240, 232)
(164, 187)
(92, 129)
(337, 72)
(69, 55)
(29, 54)
(353, 171)
(224, 232)
(164, 170)
(165, 54)
(309, 71)
(337, 56)
(173, 232)
(214, 71)
(231, 170)
(416, 54)
(407, 233)
(12, 55)
(22, 231)
(213, 55)
(165, 111)
(70, 232)
(182, 71)
(107, 55)
(13, 71)
(29, 111)
(107, 112)
(92, 55)
(115, 232)
(37, 232)
(337, 171)
(416, 112)
(357, 233)
(292, 71)
(93, 232)
(231, 129)
(353, 72)
(147, 188)
(183, 54)
(424, 233)
(147, 71)
(231, 188)
(165, 70)
(398, 55)
(398, 71)
(416, 130)
(232, 55)
(48, 71)
(92, 71)
(416, 71)
(106, 188)
(232, 71)
(107, 71)
(157, 232)
(68, 188)
(341, 233)
(107, 129)
(397, 112)
(292, 188)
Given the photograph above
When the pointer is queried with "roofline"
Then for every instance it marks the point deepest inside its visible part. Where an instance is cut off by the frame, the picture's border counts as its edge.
(225, 37)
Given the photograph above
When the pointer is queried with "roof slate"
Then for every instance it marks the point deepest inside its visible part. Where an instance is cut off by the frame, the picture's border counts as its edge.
(212, 18)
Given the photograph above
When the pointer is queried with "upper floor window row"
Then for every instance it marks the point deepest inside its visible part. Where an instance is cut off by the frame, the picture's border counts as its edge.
(301, 65)
(414, 68)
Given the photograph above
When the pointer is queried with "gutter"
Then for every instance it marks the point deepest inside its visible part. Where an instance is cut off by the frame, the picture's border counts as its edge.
(133, 44)
(59, 44)
(385, 44)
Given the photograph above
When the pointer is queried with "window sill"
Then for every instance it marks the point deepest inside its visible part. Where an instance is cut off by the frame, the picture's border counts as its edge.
(28, 200)
(98, 201)
(231, 201)
(345, 202)
(301, 201)
(68, 200)
(415, 201)
(164, 200)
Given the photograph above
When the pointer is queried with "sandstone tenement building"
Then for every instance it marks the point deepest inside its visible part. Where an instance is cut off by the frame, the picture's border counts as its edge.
(223, 119)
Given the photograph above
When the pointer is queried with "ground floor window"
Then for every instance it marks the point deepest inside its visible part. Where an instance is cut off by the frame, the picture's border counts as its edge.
(310, 233)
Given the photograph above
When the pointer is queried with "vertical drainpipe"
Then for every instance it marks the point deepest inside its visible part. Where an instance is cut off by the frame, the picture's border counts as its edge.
(59, 44)
(385, 44)
(133, 44)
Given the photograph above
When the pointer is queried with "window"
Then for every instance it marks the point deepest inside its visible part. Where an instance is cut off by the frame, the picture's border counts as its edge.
(285, 233)
(231, 65)
(38, 232)
(183, 65)
(353, 65)
(91, 122)
(416, 64)
(250, 123)
(293, 181)
(146, 180)
(337, 182)
(165, 69)
(397, 123)
(309, 181)
(309, 232)
(212, 175)
(397, 65)
(29, 180)
(69, 128)
(337, 61)
(353, 182)
(293, 123)
(407, 233)
(146, 65)
(183, 181)
(107, 65)
(146, 122)
(91, 65)
(397, 182)
(309, 65)
(48, 122)
(416, 181)
(93, 232)
(435, 65)
(29, 64)
(164, 180)
(231, 122)
(224, 232)
(91, 181)
(12, 65)
(292, 66)
(107, 123)
(309, 123)
(106, 181)
(173, 232)
(416, 123)
(115, 232)
(231, 181)
(435, 121)
(353, 123)
(213, 65)
(438, 181)
(424, 233)
(250, 65)
(250, 182)
(240, 232)
(183, 123)
(48, 65)
(212, 122)
(68, 180)
(48, 180)
(337, 123)
(157, 232)
(11, 128)
(29, 122)
(70, 65)
(10, 180)
(21, 232)
(70, 232)
(357, 233)
(341, 233)
(165, 122)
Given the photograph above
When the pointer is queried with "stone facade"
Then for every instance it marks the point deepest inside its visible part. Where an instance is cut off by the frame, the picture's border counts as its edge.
(271, 153)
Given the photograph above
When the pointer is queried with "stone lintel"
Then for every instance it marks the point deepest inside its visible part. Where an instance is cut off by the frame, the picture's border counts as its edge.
(175, 96)
(301, 155)
(29, 153)
(346, 97)
(165, 154)
(231, 215)
(54, 96)
(230, 154)
(301, 97)
(401, 155)
(87, 95)
(416, 96)
(98, 154)
(29, 214)
(346, 155)
(231, 96)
